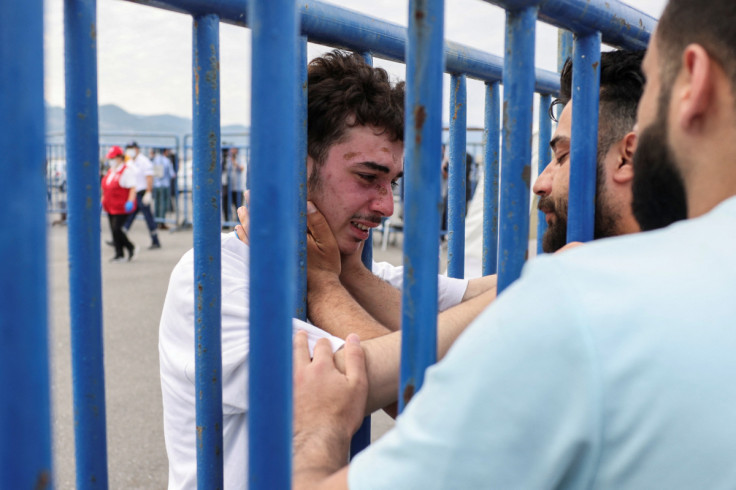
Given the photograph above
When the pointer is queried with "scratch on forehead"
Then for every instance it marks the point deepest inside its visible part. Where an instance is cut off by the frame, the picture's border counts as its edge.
(350, 155)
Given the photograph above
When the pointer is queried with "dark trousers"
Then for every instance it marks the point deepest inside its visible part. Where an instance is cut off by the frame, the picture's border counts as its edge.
(225, 204)
(119, 238)
(146, 210)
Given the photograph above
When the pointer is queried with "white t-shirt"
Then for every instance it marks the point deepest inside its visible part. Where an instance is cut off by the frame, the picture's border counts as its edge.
(177, 357)
(143, 167)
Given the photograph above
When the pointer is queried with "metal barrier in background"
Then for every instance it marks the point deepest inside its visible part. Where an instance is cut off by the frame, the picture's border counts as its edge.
(233, 182)
(26, 446)
(151, 145)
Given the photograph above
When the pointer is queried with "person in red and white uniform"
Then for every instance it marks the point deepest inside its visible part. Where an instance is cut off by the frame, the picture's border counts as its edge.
(119, 200)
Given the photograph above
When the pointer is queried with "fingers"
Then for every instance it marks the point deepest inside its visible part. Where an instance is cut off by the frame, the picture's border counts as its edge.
(243, 229)
(317, 224)
(241, 234)
(569, 246)
(301, 350)
(354, 360)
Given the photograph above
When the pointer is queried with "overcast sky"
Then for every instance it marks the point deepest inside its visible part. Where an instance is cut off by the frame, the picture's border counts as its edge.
(145, 54)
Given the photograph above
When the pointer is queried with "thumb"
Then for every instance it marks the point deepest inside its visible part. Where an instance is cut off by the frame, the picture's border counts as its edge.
(355, 361)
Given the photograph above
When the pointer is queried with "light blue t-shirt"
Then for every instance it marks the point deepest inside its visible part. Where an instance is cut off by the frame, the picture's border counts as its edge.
(611, 366)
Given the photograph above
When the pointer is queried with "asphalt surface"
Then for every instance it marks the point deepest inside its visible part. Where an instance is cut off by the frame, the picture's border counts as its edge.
(133, 295)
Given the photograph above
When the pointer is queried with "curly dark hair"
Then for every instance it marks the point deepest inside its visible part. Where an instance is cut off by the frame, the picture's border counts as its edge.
(343, 91)
(622, 84)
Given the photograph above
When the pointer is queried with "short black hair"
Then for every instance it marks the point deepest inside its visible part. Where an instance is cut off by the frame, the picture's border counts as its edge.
(709, 23)
(622, 84)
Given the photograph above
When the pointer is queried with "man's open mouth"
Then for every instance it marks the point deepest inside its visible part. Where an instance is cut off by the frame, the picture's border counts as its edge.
(360, 226)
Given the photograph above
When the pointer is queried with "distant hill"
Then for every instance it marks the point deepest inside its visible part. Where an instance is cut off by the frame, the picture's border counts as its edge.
(116, 120)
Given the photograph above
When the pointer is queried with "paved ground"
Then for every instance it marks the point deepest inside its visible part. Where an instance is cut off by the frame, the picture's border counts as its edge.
(133, 295)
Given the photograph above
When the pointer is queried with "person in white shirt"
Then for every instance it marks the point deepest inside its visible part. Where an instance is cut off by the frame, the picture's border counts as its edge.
(144, 190)
(355, 156)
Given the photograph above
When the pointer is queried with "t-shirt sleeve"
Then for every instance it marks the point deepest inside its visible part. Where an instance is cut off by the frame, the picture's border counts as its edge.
(127, 179)
(450, 291)
(514, 404)
(314, 334)
(146, 166)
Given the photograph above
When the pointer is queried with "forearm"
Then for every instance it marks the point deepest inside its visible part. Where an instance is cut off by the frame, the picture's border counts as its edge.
(375, 295)
(480, 285)
(149, 183)
(333, 309)
(383, 354)
(131, 194)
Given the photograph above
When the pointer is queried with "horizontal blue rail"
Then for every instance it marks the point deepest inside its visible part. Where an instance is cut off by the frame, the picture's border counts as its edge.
(336, 26)
(620, 24)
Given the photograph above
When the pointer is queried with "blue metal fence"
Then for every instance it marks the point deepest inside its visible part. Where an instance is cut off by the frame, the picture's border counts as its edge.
(278, 120)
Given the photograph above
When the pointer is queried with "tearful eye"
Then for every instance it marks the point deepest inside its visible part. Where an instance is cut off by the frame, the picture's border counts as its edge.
(394, 184)
(370, 178)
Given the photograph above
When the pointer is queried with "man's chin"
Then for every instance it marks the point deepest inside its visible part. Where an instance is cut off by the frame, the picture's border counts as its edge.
(349, 247)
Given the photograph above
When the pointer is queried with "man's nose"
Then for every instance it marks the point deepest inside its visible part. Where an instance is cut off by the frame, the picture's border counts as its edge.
(543, 184)
(383, 202)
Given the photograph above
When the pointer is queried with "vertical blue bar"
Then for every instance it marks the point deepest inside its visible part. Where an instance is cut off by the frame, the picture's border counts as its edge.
(564, 52)
(367, 254)
(206, 157)
(492, 136)
(273, 240)
(301, 181)
(362, 437)
(543, 156)
(25, 421)
(518, 96)
(457, 184)
(584, 143)
(423, 139)
(85, 280)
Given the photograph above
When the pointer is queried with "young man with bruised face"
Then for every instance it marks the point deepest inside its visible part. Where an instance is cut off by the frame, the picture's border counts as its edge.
(355, 120)
(621, 87)
(619, 379)
(355, 158)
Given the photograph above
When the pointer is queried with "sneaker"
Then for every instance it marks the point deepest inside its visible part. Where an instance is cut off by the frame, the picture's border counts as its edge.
(134, 253)
(118, 259)
(154, 246)
(109, 243)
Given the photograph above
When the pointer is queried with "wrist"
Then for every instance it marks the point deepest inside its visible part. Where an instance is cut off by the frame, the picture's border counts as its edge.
(322, 283)
(353, 273)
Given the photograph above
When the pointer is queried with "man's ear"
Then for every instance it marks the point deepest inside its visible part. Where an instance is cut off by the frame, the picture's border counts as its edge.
(310, 166)
(624, 171)
(695, 92)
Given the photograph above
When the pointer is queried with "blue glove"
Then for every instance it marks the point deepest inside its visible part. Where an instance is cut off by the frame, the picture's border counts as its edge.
(128, 206)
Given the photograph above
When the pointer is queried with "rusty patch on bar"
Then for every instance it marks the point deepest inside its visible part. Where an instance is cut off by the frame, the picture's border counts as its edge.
(526, 175)
(93, 31)
(595, 66)
(420, 115)
(419, 14)
(43, 480)
(458, 105)
(408, 393)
